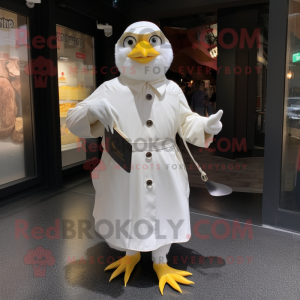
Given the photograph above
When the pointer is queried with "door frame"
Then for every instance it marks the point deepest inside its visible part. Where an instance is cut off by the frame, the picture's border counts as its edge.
(14, 187)
(272, 214)
(85, 25)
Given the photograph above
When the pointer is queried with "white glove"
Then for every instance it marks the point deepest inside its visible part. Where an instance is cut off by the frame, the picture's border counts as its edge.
(213, 124)
(102, 110)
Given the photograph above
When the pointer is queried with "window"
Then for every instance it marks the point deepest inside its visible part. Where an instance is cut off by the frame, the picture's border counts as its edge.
(17, 159)
(290, 185)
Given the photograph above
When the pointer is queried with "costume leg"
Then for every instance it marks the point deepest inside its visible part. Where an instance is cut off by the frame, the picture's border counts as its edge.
(166, 273)
(125, 264)
(128, 252)
(159, 256)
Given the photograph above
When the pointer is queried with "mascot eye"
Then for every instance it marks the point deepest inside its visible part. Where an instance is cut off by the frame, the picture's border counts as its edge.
(129, 41)
(155, 40)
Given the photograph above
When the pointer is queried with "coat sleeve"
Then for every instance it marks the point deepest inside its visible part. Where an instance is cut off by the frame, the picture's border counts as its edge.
(77, 119)
(192, 125)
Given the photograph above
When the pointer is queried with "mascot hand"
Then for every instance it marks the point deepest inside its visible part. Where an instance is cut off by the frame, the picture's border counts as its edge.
(102, 110)
(213, 124)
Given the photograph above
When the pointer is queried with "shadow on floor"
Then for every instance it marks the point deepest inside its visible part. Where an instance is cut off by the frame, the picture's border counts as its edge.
(88, 272)
(236, 206)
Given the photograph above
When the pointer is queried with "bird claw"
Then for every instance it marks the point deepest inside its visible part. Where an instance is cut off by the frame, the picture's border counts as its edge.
(171, 276)
(125, 264)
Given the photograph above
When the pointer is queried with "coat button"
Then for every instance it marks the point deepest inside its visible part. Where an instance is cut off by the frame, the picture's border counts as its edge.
(149, 97)
(149, 182)
(148, 154)
(149, 123)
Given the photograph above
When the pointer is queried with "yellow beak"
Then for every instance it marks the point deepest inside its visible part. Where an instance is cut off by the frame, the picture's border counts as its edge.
(143, 52)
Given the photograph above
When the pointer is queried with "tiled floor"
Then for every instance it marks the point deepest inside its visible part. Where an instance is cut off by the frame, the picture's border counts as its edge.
(264, 264)
(241, 174)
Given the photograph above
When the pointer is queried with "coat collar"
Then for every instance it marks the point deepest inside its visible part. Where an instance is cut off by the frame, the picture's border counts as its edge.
(159, 85)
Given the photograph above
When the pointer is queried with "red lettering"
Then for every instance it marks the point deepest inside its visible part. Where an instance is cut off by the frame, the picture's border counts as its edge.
(94, 70)
(257, 69)
(237, 227)
(231, 261)
(249, 259)
(101, 70)
(190, 71)
(71, 260)
(132, 70)
(37, 233)
(237, 72)
(110, 259)
(208, 70)
(55, 229)
(81, 260)
(221, 38)
(73, 71)
(220, 261)
(196, 231)
(184, 260)
(175, 260)
(193, 260)
(49, 42)
(100, 261)
(124, 69)
(84, 70)
(93, 147)
(114, 68)
(21, 35)
(239, 147)
(81, 145)
(219, 144)
(38, 42)
(214, 231)
(91, 260)
(21, 230)
(250, 41)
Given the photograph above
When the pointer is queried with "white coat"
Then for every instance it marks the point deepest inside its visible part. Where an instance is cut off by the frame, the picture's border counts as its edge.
(128, 212)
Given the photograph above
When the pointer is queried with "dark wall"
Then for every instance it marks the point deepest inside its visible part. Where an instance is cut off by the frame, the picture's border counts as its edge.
(236, 93)
(152, 10)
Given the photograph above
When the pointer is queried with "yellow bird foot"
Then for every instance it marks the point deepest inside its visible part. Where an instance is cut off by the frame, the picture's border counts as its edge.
(171, 276)
(125, 264)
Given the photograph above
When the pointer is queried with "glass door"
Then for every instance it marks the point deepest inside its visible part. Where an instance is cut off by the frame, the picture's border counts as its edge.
(290, 176)
(281, 202)
(76, 80)
(17, 158)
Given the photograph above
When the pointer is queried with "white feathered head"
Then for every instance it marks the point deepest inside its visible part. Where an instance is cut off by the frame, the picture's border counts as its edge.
(143, 52)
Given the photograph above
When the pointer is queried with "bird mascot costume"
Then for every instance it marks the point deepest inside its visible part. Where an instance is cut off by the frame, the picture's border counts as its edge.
(148, 207)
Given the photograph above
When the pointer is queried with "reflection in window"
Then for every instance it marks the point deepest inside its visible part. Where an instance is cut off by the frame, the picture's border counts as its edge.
(76, 81)
(290, 197)
(16, 140)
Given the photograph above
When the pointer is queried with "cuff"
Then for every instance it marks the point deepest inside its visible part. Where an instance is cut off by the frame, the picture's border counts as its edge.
(79, 124)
